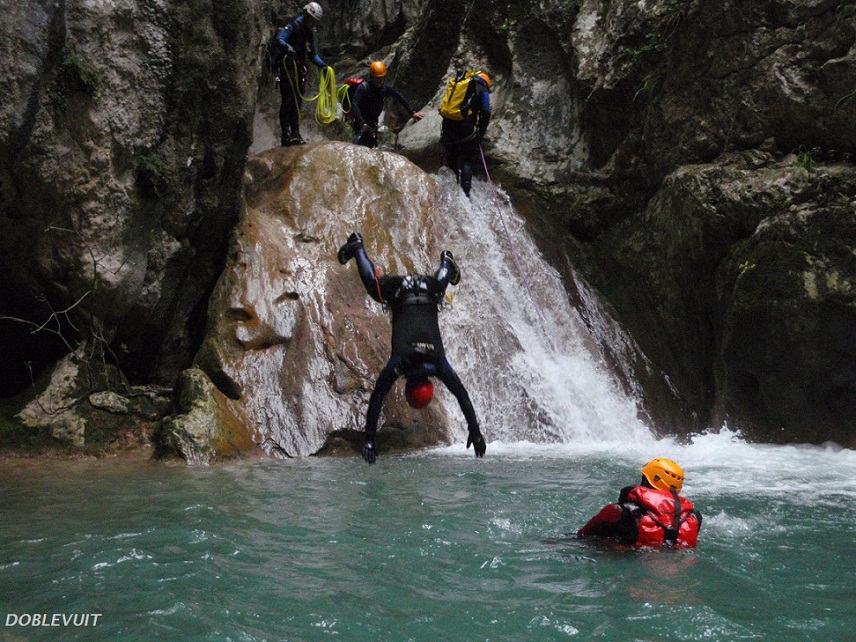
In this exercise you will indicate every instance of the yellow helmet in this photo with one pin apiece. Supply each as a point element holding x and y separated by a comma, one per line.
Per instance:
<point>663,474</point>
<point>377,69</point>
<point>484,77</point>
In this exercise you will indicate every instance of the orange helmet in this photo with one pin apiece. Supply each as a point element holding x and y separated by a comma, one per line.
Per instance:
<point>663,474</point>
<point>377,69</point>
<point>419,391</point>
<point>484,77</point>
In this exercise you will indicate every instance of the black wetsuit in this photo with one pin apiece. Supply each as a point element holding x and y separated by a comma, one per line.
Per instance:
<point>417,347</point>
<point>461,138</point>
<point>367,107</point>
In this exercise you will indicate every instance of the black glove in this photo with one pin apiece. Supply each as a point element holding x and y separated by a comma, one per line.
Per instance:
<point>454,270</point>
<point>477,442</point>
<point>346,252</point>
<point>370,448</point>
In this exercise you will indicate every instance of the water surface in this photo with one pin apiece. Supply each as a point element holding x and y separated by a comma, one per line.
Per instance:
<point>431,546</point>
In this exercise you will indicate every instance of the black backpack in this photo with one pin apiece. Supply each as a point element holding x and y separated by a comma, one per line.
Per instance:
<point>274,52</point>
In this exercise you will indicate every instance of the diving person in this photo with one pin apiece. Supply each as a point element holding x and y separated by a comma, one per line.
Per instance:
<point>367,105</point>
<point>462,138</point>
<point>417,347</point>
<point>295,40</point>
<point>650,514</point>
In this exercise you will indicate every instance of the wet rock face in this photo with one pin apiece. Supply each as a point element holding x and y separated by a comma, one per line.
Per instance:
<point>123,131</point>
<point>747,264</point>
<point>294,344</point>
<point>617,127</point>
<point>787,295</point>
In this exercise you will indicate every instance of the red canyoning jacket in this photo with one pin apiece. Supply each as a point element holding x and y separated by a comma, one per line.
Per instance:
<point>647,517</point>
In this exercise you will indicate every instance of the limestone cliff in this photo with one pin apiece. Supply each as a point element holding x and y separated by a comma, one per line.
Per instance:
<point>692,161</point>
<point>669,143</point>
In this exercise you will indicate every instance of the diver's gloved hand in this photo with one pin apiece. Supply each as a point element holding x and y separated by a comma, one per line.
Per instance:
<point>370,448</point>
<point>455,271</point>
<point>477,442</point>
<point>346,252</point>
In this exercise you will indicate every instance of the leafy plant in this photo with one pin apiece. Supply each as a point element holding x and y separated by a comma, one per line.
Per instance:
<point>806,159</point>
<point>78,74</point>
<point>156,176</point>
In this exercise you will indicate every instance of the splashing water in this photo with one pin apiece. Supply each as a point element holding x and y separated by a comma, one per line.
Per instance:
<point>528,362</point>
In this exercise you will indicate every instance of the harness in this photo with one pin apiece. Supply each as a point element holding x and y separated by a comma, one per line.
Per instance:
<point>670,533</point>
<point>414,291</point>
<point>647,502</point>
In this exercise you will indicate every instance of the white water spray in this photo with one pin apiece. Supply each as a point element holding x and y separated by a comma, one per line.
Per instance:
<point>530,365</point>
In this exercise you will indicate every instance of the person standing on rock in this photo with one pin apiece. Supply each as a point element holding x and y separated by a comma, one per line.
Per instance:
<point>462,137</point>
<point>367,105</point>
<point>296,40</point>
<point>417,347</point>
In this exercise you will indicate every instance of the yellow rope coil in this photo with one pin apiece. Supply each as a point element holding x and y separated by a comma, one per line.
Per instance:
<point>326,108</point>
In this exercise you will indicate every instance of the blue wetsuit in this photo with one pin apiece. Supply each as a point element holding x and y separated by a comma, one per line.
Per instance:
<point>296,39</point>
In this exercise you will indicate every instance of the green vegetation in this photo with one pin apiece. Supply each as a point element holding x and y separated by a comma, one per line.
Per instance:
<point>17,438</point>
<point>78,74</point>
<point>75,76</point>
<point>806,159</point>
<point>156,175</point>
<point>767,272</point>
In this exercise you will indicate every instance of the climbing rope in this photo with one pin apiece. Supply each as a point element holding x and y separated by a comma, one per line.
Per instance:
<point>516,257</point>
<point>326,108</point>
<point>343,97</point>
<point>292,79</point>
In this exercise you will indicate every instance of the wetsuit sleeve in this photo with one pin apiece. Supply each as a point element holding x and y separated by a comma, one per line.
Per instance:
<point>604,524</point>
<point>313,52</point>
<point>283,36</point>
<point>484,113</point>
<point>390,92</point>
<point>359,94</point>
<point>444,274</point>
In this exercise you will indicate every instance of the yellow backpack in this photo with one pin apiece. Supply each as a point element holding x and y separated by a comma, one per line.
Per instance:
<point>456,100</point>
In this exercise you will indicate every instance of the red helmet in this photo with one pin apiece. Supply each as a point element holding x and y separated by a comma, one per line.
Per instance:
<point>419,391</point>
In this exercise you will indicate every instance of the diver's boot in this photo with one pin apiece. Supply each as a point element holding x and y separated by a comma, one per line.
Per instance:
<point>346,252</point>
<point>467,178</point>
<point>448,259</point>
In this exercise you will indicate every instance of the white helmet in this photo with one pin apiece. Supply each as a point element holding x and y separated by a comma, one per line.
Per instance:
<point>314,10</point>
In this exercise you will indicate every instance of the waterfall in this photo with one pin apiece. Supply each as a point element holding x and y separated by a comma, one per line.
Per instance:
<point>300,343</point>
<point>530,364</point>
